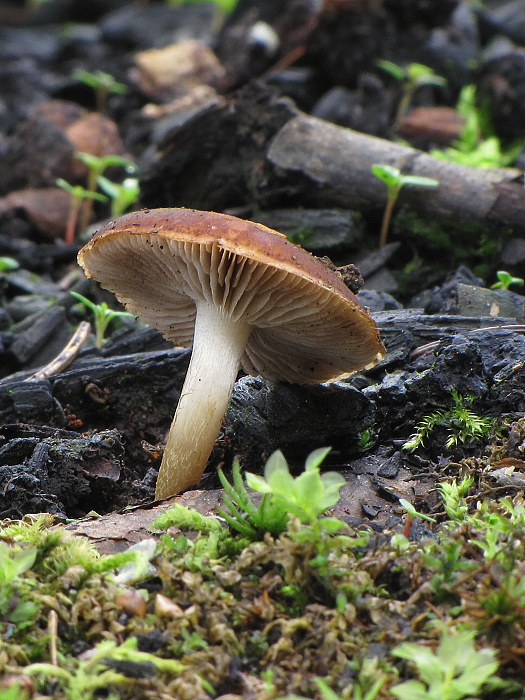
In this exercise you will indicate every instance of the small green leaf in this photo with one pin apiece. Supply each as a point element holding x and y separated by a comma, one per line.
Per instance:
<point>419,181</point>
<point>7,263</point>
<point>392,68</point>
<point>316,458</point>
<point>387,174</point>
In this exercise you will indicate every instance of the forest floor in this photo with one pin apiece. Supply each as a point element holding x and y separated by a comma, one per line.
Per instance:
<point>406,579</point>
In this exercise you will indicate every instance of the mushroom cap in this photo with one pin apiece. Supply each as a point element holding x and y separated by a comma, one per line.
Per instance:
<point>307,326</point>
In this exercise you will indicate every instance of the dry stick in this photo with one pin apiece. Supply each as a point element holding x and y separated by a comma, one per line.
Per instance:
<point>52,628</point>
<point>332,164</point>
<point>67,355</point>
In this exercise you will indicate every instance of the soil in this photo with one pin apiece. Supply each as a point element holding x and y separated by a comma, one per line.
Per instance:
<point>279,123</point>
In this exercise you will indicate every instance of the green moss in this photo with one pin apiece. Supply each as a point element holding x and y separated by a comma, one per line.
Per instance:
<point>296,614</point>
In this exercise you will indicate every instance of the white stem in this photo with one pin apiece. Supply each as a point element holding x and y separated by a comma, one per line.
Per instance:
<point>218,345</point>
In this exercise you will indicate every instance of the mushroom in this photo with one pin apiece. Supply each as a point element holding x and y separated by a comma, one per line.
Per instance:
<point>243,296</point>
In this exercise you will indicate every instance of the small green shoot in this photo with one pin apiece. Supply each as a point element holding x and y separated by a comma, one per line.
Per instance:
<point>14,564</point>
<point>96,166</point>
<point>505,280</point>
<point>102,83</point>
<point>306,496</point>
<point>250,520</point>
<point>102,316</point>
<point>462,424</point>
<point>7,264</point>
<point>394,181</point>
<point>413,77</point>
<point>78,195</point>
<point>413,513</point>
<point>122,195</point>
<point>454,671</point>
<point>453,495</point>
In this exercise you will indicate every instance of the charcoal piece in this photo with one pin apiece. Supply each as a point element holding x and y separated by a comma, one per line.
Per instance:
<point>5,320</point>
<point>365,109</point>
<point>29,402</point>
<point>498,348</point>
<point>390,467</point>
<point>25,306</point>
<point>17,450</point>
<point>203,163</point>
<point>374,261</point>
<point>459,366</point>
<point>315,229</point>
<point>137,394</point>
<point>64,474</point>
<point>134,339</point>
<point>426,328</point>
<point>444,298</point>
<point>377,301</point>
<point>27,350</point>
<point>38,152</point>
<point>26,282</point>
<point>264,416</point>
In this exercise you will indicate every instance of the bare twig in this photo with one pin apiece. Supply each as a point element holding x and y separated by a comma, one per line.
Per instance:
<point>52,628</point>
<point>66,356</point>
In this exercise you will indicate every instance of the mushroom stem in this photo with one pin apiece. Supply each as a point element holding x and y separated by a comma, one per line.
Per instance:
<point>218,345</point>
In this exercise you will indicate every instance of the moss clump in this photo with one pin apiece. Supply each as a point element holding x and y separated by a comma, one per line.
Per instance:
<point>198,615</point>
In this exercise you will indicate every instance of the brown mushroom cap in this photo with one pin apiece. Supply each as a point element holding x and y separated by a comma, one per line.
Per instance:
<point>307,326</point>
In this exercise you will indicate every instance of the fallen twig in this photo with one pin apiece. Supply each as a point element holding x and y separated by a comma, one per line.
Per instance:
<point>67,355</point>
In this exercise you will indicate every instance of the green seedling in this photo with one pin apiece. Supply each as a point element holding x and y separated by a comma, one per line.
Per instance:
<point>7,264</point>
<point>78,195</point>
<point>454,671</point>
<point>394,181</point>
<point>505,280</point>
<point>243,515</point>
<point>102,83</point>
<point>96,166</point>
<point>102,316</point>
<point>306,496</point>
<point>411,514</point>
<point>477,145</point>
<point>413,77</point>
<point>462,424</point>
<point>122,195</point>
